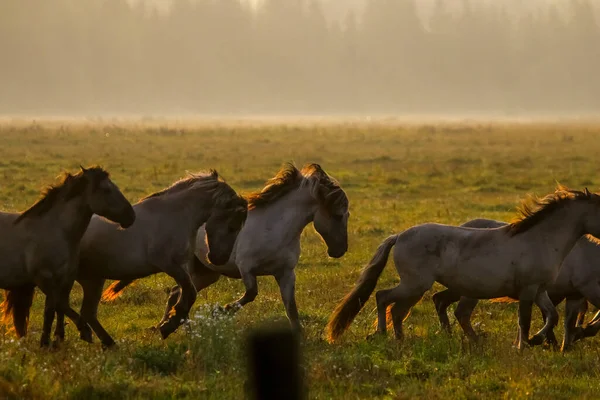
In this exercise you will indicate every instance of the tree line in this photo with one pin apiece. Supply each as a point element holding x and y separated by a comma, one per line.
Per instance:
<point>223,56</point>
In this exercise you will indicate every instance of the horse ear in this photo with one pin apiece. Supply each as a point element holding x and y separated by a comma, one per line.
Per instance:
<point>587,192</point>
<point>82,169</point>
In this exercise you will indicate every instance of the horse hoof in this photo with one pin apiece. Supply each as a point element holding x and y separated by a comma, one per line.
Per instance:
<point>536,340</point>
<point>165,330</point>
<point>578,333</point>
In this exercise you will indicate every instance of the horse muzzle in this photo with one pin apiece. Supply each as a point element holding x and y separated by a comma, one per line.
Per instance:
<point>128,220</point>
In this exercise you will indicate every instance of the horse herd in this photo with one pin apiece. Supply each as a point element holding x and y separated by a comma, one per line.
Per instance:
<point>199,229</point>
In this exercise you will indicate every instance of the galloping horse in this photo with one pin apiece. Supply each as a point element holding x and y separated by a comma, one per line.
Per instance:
<point>269,243</point>
<point>40,246</point>
<point>162,239</point>
<point>578,280</point>
<point>518,260</point>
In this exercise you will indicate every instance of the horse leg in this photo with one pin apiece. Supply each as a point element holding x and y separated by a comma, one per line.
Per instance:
<point>572,307</point>
<point>92,293</point>
<point>287,286</point>
<point>542,300</point>
<point>550,336</point>
<point>187,297</point>
<point>463,313</point>
<point>592,293</point>
<point>64,308</point>
<point>249,295</point>
<point>442,301</point>
<point>581,313</point>
<point>404,297</point>
<point>526,299</point>
<point>49,289</point>
<point>202,277</point>
<point>59,331</point>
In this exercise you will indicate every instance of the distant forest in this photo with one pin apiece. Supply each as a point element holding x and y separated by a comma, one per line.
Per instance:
<point>286,57</point>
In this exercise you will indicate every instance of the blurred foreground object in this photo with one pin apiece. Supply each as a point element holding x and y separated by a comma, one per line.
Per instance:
<point>274,365</point>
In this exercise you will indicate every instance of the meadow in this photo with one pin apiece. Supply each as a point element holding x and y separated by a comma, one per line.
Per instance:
<point>396,175</point>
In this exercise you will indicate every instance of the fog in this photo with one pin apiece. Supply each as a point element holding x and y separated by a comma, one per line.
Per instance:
<point>299,57</point>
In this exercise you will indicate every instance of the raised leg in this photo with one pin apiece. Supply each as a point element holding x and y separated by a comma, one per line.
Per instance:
<point>64,308</point>
<point>405,297</point>
<point>64,304</point>
<point>463,313</point>
<point>92,293</point>
<point>287,283</point>
<point>181,309</point>
<point>442,301</point>
<point>250,294</point>
<point>202,277</point>
<point>542,300</point>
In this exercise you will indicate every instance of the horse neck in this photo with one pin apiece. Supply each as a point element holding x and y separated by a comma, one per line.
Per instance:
<point>193,206</point>
<point>292,212</point>
<point>562,229</point>
<point>72,217</point>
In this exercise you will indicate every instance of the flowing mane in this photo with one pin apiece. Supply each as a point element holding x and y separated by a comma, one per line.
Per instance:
<point>334,197</point>
<point>68,187</point>
<point>290,178</point>
<point>209,181</point>
<point>533,209</point>
<point>287,179</point>
<point>211,176</point>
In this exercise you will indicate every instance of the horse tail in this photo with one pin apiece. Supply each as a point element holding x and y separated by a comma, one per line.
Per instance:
<point>115,289</point>
<point>16,304</point>
<point>352,303</point>
<point>504,300</point>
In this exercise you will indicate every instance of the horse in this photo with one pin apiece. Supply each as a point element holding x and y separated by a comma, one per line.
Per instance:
<point>162,239</point>
<point>269,243</point>
<point>39,247</point>
<point>578,281</point>
<point>518,260</point>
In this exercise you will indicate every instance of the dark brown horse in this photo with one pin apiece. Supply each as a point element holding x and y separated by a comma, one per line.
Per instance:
<point>40,246</point>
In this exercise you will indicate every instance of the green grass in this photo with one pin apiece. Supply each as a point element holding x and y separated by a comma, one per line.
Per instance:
<point>395,175</point>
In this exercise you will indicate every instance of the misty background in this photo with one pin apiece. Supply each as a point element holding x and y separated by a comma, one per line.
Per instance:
<point>286,57</point>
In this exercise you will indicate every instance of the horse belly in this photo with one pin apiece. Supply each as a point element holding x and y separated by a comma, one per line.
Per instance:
<point>480,283</point>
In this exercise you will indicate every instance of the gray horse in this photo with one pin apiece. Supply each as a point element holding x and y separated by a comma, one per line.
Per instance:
<point>162,239</point>
<point>518,260</point>
<point>578,280</point>
<point>269,243</point>
<point>39,247</point>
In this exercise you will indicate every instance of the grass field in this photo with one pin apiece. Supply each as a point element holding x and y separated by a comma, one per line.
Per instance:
<point>396,176</point>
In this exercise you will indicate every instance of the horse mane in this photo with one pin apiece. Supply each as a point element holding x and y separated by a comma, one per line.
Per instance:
<point>68,187</point>
<point>335,199</point>
<point>533,209</point>
<point>287,179</point>
<point>192,179</point>
<point>211,181</point>
<point>290,178</point>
